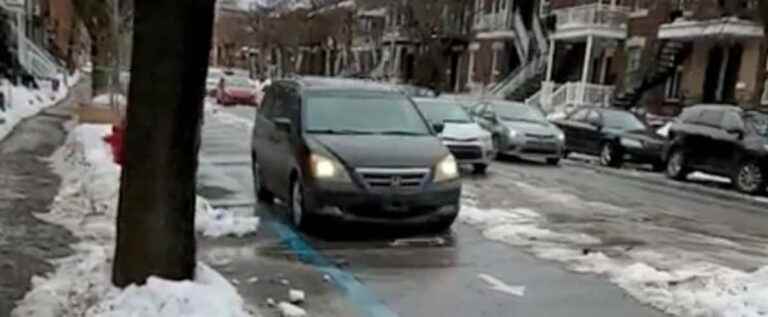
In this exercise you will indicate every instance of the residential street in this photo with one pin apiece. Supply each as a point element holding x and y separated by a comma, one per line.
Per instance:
<point>371,272</point>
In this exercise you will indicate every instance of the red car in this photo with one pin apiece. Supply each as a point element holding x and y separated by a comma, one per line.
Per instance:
<point>236,91</point>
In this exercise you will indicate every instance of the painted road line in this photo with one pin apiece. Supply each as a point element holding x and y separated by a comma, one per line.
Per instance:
<point>357,293</point>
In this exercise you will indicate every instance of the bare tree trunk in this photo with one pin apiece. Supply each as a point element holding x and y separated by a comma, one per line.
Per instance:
<point>101,61</point>
<point>156,212</point>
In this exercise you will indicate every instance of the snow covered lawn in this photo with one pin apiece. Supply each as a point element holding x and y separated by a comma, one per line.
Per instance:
<point>24,102</point>
<point>684,288</point>
<point>80,284</point>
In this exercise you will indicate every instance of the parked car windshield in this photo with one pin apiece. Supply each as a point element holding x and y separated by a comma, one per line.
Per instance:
<point>363,114</point>
<point>621,120</point>
<point>238,82</point>
<point>518,112</point>
<point>758,121</point>
<point>443,112</point>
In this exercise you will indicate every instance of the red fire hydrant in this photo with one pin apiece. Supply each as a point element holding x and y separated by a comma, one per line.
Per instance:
<point>115,141</point>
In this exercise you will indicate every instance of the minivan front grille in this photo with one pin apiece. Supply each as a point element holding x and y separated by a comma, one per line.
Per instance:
<point>393,178</point>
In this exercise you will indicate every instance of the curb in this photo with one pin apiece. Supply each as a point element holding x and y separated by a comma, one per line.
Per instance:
<point>698,189</point>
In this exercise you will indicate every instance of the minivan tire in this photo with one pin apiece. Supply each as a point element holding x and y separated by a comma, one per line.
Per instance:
<point>263,195</point>
<point>676,168</point>
<point>750,177</point>
<point>301,214</point>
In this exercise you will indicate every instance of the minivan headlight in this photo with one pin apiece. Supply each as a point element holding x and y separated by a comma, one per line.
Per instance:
<point>561,136</point>
<point>326,168</point>
<point>447,169</point>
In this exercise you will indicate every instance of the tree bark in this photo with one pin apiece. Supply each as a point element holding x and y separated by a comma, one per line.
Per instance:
<point>101,62</point>
<point>155,222</point>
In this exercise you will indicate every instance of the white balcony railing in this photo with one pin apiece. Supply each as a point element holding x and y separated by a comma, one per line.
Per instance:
<point>493,21</point>
<point>574,94</point>
<point>591,15</point>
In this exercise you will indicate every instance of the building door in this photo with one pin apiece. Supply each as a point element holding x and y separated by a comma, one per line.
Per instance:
<point>454,70</point>
<point>712,75</point>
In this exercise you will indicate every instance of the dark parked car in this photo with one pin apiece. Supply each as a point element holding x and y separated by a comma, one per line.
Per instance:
<point>721,140</point>
<point>352,150</point>
<point>615,135</point>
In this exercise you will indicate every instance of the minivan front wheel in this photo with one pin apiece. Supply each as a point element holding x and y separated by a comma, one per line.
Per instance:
<point>300,215</point>
<point>750,178</point>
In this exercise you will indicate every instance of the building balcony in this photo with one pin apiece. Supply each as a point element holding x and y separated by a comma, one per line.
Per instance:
<point>597,19</point>
<point>554,98</point>
<point>729,28</point>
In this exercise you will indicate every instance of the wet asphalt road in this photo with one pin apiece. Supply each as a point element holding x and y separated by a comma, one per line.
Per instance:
<point>370,272</point>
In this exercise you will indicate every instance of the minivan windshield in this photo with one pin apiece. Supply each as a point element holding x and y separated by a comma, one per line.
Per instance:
<point>622,120</point>
<point>363,114</point>
<point>441,111</point>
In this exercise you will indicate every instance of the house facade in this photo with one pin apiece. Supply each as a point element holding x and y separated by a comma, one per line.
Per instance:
<point>650,54</point>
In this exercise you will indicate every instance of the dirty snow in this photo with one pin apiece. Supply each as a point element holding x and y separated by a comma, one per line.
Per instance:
<point>290,310</point>
<point>105,99</point>
<point>80,285</point>
<point>215,222</point>
<point>699,176</point>
<point>23,102</point>
<point>680,288</point>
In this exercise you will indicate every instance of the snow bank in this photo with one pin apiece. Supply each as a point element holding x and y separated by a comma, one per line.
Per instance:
<point>214,222</point>
<point>104,99</point>
<point>682,289</point>
<point>80,285</point>
<point>23,102</point>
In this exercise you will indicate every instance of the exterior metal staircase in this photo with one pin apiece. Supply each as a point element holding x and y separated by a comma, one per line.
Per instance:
<point>670,55</point>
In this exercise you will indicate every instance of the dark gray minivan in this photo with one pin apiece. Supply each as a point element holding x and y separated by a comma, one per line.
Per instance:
<point>352,150</point>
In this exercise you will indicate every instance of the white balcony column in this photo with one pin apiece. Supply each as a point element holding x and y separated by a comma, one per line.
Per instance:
<point>550,60</point>
<point>398,62</point>
<point>721,76</point>
<point>471,69</point>
<point>580,94</point>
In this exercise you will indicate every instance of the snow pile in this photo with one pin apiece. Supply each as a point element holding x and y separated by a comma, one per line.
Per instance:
<point>165,298</point>
<point>214,222</point>
<point>228,118</point>
<point>80,285</point>
<point>23,102</point>
<point>682,289</point>
<point>105,100</point>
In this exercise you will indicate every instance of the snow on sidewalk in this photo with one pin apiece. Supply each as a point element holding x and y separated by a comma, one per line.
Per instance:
<point>80,284</point>
<point>690,289</point>
<point>24,102</point>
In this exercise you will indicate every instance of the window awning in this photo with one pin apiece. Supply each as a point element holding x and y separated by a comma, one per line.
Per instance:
<point>730,27</point>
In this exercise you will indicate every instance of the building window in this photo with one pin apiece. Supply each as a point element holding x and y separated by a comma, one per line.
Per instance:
<point>672,88</point>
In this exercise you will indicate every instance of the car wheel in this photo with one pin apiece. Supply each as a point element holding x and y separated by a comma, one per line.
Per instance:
<point>750,178</point>
<point>610,155</point>
<point>479,168</point>
<point>300,215</point>
<point>553,161</point>
<point>676,168</point>
<point>263,195</point>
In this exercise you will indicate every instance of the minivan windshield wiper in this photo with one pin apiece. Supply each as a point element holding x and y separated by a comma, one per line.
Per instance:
<point>338,131</point>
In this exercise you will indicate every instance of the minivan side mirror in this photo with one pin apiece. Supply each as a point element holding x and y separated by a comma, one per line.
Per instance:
<point>439,127</point>
<point>282,124</point>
